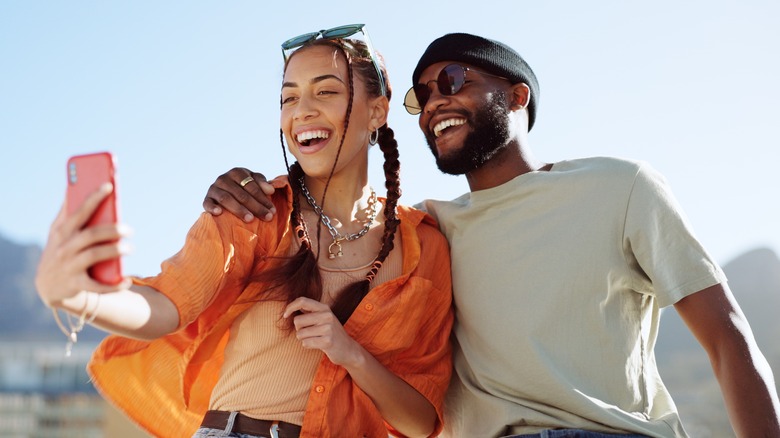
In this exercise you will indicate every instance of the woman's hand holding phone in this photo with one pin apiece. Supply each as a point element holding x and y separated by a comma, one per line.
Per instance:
<point>83,252</point>
<point>73,247</point>
<point>81,262</point>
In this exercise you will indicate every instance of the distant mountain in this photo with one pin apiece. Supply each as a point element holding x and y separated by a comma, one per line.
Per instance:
<point>19,303</point>
<point>23,317</point>
<point>754,278</point>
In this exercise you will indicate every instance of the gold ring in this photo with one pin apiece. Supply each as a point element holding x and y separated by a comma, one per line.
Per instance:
<point>246,181</point>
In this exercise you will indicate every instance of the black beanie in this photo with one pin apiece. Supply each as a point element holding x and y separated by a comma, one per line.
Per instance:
<point>492,56</point>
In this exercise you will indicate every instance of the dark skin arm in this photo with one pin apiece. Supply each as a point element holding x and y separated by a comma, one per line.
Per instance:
<point>248,202</point>
<point>745,379</point>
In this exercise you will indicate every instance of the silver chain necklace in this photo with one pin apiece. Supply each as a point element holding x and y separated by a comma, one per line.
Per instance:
<point>373,207</point>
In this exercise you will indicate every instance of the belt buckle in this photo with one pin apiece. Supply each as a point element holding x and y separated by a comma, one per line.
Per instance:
<point>274,431</point>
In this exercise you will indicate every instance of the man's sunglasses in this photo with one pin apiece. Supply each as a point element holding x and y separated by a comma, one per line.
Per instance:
<point>336,33</point>
<point>450,80</point>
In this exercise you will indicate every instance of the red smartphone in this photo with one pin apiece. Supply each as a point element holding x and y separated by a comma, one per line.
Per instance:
<point>86,173</point>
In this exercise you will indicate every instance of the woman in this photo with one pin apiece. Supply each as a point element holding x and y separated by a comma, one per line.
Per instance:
<point>332,320</point>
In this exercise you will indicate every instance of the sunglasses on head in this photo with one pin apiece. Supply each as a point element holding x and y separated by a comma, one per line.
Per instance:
<point>340,32</point>
<point>450,80</point>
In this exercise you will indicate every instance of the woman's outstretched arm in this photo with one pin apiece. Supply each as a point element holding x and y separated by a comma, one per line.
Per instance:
<point>63,281</point>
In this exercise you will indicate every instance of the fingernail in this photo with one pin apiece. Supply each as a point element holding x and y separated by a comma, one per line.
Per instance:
<point>216,210</point>
<point>248,217</point>
<point>268,217</point>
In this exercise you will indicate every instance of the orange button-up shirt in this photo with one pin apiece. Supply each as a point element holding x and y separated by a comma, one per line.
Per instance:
<point>165,385</point>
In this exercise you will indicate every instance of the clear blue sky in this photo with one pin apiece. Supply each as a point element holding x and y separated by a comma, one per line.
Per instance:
<point>181,91</point>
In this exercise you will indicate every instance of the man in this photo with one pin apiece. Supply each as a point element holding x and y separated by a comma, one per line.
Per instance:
<point>559,270</point>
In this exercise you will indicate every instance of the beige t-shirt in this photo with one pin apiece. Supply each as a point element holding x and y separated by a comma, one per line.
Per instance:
<point>558,281</point>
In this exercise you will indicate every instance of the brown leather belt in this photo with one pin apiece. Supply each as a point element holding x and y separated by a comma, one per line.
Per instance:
<point>251,426</point>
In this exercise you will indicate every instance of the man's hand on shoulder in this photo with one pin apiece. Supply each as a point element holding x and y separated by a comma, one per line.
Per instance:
<point>243,193</point>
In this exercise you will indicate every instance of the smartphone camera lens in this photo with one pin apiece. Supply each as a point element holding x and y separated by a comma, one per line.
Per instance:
<point>72,174</point>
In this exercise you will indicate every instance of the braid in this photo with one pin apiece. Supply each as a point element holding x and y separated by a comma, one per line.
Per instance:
<point>392,167</point>
<point>296,217</point>
<point>350,75</point>
<point>350,297</point>
<point>294,174</point>
<point>341,143</point>
<point>284,151</point>
<point>299,275</point>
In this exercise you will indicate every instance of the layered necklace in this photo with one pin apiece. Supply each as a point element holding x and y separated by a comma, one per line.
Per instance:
<point>334,249</point>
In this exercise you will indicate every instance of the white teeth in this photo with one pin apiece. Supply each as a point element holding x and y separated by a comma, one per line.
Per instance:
<point>441,126</point>
<point>308,135</point>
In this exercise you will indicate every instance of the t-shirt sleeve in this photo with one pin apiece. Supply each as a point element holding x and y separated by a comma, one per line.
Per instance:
<point>660,244</point>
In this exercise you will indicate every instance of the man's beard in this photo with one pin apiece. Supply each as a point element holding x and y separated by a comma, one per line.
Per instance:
<point>489,135</point>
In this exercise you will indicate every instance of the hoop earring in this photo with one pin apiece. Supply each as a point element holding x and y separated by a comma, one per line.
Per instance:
<point>374,137</point>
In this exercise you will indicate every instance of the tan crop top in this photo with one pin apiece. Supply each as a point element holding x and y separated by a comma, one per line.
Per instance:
<point>266,373</point>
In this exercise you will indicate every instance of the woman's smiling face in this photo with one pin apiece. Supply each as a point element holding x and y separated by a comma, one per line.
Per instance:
<point>315,97</point>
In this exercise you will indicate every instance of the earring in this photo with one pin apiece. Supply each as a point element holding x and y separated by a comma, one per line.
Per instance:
<point>374,137</point>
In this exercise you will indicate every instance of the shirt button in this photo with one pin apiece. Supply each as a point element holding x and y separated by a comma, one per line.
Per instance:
<point>369,306</point>
<point>320,389</point>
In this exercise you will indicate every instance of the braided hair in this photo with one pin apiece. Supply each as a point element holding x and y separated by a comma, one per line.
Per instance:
<point>299,275</point>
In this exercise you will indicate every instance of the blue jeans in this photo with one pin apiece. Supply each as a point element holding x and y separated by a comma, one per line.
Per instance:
<point>205,432</point>
<point>574,433</point>
<point>227,432</point>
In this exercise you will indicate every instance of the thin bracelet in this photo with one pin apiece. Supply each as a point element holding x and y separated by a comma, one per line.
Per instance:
<point>59,322</point>
<point>82,318</point>
<point>72,335</point>
<point>91,319</point>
